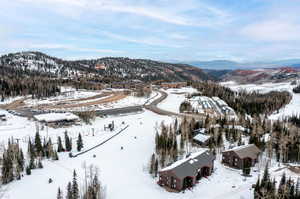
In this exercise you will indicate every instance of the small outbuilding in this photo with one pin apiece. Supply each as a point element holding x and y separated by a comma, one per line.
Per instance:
<point>57,118</point>
<point>201,139</point>
<point>241,157</point>
<point>187,172</point>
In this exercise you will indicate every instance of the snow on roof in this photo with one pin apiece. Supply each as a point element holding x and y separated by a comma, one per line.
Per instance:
<point>190,158</point>
<point>201,137</point>
<point>200,130</point>
<point>53,117</point>
<point>243,151</point>
<point>237,127</point>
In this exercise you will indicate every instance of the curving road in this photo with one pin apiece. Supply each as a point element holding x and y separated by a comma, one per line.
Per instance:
<point>153,107</point>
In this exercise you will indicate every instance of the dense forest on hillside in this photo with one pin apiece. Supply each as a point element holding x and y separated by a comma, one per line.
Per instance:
<point>252,103</point>
<point>107,68</point>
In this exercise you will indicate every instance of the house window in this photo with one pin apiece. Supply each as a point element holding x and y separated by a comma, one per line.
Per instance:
<point>235,161</point>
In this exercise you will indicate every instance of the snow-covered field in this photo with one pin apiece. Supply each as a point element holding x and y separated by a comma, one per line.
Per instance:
<point>123,172</point>
<point>175,98</point>
<point>292,108</point>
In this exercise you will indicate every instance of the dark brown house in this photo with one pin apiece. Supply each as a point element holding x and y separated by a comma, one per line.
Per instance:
<point>241,156</point>
<point>185,173</point>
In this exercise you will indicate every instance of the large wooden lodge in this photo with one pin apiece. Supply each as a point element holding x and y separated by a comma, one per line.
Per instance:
<point>241,156</point>
<point>187,172</point>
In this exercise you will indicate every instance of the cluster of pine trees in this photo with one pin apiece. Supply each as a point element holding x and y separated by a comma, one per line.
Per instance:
<point>252,103</point>
<point>38,150</point>
<point>92,188</point>
<point>13,162</point>
<point>266,188</point>
<point>21,86</point>
<point>68,143</point>
<point>166,145</point>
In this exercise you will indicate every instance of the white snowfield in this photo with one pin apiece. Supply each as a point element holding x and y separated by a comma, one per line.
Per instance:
<point>292,108</point>
<point>53,117</point>
<point>175,97</point>
<point>124,172</point>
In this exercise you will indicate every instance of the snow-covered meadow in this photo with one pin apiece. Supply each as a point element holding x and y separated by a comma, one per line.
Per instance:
<point>175,97</point>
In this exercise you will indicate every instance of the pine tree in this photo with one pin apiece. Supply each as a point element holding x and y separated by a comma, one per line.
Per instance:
<point>68,142</point>
<point>32,163</point>
<point>156,168</point>
<point>257,187</point>
<point>152,163</point>
<point>59,194</point>
<point>69,191</point>
<point>20,160</point>
<point>7,168</point>
<point>266,177</point>
<point>75,189</point>
<point>79,143</point>
<point>31,150</point>
<point>38,144</point>
<point>60,147</point>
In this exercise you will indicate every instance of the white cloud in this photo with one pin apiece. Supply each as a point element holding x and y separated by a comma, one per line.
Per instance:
<point>33,45</point>
<point>273,30</point>
<point>152,41</point>
<point>175,13</point>
<point>71,48</point>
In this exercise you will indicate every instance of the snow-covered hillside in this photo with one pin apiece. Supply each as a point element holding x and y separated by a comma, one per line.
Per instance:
<point>292,108</point>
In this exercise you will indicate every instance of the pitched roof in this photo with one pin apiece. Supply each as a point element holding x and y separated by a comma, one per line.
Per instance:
<point>53,117</point>
<point>189,166</point>
<point>244,151</point>
<point>201,137</point>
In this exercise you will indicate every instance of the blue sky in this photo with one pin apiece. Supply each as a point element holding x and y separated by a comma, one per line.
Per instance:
<point>168,30</point>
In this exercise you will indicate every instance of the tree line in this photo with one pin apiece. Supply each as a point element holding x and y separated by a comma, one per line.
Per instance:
<point>252,103</point>
<point>266,188</point>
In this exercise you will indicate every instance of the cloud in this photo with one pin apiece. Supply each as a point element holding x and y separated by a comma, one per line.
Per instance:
<point>71,48</point>
<point>152,41</point>
<point>207,15</point>
<point>273,30</point>
<point>32,45</point>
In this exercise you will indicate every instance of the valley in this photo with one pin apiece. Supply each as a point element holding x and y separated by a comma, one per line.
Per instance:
<point>123,160</point>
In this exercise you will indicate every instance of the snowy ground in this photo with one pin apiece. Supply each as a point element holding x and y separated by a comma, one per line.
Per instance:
<point>123,172</point>
<point>175,98</point>
<point>292,108</point>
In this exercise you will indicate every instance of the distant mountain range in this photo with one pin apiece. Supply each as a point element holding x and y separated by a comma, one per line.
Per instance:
<point>232,65</point>
<point>281,74</point>
<point>108,68</point>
